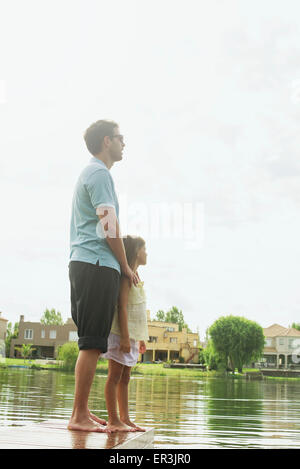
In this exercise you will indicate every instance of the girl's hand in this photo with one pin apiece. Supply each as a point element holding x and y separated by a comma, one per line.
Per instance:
<point>125,344</point>
<point>142,346</point>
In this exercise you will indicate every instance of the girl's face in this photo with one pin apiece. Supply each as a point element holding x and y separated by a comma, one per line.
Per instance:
<point>142,256</point>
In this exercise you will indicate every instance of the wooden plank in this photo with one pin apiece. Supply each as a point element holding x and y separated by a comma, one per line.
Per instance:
<point>53,434</point>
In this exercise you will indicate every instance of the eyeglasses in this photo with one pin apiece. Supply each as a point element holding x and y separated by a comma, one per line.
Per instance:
<point>119,136</point>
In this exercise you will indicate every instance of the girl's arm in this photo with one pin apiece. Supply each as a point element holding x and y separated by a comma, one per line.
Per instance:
<point>122,314</point>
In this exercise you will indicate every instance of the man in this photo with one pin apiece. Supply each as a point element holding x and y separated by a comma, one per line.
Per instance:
<point>96,262</point>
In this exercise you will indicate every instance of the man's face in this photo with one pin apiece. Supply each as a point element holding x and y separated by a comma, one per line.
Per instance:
<point>116,145</point>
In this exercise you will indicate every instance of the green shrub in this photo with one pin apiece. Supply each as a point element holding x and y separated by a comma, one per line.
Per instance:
<point>68,354</point>
<point>35,367</point>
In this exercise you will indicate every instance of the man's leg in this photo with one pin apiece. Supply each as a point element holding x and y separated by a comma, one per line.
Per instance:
<point>92,312</point>
<point>84,375</point>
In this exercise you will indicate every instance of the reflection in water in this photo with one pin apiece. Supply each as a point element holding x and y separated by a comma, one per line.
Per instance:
<point>234,412</point>
<point>114,439</point>
<point>185,412</point>
<point>81,440</point>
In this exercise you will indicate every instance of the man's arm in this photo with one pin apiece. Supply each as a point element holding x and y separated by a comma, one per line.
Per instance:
<point>111,230</point>
<point>100,189</point>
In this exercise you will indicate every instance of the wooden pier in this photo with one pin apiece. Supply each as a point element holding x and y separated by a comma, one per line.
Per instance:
<point>53,434</point>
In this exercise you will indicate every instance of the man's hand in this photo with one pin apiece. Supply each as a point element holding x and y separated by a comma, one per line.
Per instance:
<point>142,346</point>
<point>128,272</point>
<point>125,344</point>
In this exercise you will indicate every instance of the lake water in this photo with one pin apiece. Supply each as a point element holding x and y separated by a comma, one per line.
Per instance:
<point>185,412</point>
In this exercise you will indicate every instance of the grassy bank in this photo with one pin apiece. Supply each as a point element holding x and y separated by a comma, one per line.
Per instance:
<point>141,369</point>
<point>158,369</point>
<point>102,367</point>
<point>28,363</point>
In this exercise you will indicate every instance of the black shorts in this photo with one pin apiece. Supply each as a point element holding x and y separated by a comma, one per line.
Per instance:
<point>94,295</point>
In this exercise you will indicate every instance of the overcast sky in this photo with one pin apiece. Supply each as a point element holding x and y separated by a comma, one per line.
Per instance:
<point>207,96</point>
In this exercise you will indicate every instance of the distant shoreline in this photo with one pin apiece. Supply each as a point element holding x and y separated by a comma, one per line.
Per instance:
<point>141,369</point>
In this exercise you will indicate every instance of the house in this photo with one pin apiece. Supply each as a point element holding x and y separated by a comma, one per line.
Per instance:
<point>45,339</point>
<point>165,342</point>
<point>3,327</point>
<point>282,348</point>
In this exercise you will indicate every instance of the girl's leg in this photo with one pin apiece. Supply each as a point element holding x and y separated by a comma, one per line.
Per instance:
<point>114,374</point>
<point>123,399</point>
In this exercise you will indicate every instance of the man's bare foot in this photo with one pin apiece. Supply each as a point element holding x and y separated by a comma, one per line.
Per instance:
<point>119,426</point>
<point>85,425</point>
<point>97,419</point>
<point>133,425</point>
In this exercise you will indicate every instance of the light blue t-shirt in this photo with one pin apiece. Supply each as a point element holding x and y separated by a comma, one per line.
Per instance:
<point>95,187</point>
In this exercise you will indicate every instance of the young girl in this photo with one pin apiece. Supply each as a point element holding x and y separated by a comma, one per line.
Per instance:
<point>127,338</point>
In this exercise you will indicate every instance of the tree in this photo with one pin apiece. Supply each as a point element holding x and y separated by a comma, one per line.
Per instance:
<point>11,333</point>
<point>201,356</point>
<point>296,326</point>
<point>175,315</point>
<point>212,359</point>
<point>51,317</point>
<point>160,315</point>
<point>237,340</point>
<point>26,350</point>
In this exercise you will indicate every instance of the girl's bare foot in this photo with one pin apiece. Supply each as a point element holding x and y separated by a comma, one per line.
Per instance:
<point>85,425</point>
<point>133,425</point>
<point>118,426</point>
<point>97,419</point>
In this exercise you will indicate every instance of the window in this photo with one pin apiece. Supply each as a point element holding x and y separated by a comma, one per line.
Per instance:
<point>43,334</point>
<point>268,342</point>
<point>73,336</point>
<point>170,329</point>
<point>152,339</point>
<point>293,343</point>
<point>28,334</point>
<point>52,335</point>
<point>173,339</point>
<point>281,341</point>
<point>195,343</point>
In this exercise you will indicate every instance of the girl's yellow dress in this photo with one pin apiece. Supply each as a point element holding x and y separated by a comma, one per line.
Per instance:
<point>137,328</point>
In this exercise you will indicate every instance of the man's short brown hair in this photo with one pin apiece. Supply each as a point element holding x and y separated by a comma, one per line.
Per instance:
<point>95,134</point>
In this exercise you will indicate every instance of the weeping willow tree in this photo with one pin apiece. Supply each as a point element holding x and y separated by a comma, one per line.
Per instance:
<point>237,340</point>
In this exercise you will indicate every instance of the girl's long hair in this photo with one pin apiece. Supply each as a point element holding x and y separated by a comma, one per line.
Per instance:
<point>132,245</point>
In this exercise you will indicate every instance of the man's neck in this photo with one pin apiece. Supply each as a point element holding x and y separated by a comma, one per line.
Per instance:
<point>104,157</point>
